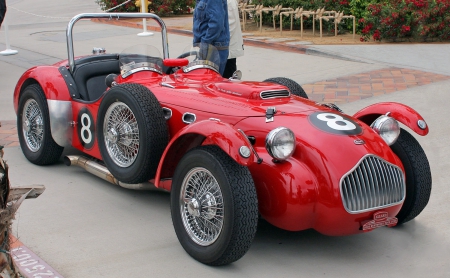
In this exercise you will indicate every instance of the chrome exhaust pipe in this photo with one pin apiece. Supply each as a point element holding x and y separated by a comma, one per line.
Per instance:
<point>102,172</point>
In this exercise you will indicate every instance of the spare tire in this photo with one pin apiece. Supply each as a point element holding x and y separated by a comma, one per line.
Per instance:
<point>293,86</point>
<point>132,132</point>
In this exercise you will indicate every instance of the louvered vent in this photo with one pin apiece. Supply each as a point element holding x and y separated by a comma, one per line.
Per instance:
<point>275,94</point>
<point>372,184</point>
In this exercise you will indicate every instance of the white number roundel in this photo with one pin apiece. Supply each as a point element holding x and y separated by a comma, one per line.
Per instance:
<point>336,122</point>
<point>86,128</point>
<point>86,134</point>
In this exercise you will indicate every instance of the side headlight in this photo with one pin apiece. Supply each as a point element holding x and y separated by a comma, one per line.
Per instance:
<point>387,128</point>
<point>280,143</point>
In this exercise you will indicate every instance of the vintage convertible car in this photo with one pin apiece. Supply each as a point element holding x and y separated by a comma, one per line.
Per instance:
<point>229,151</point>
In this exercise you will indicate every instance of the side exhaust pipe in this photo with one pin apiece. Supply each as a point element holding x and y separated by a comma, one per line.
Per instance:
<point>102,172</point>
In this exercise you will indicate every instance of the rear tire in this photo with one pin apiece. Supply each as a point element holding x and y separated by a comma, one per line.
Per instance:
<point>418,176</point>
<point>293,86</point>
<point>33,126</point>
<point>214,206</point>
<point>132,132</point>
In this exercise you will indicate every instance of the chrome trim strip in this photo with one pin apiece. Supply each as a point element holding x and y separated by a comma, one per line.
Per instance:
<point>201,64</point>
<point>60,113</point>
<point>167,85</point>
<point>130,72</point>
<point>372,184</point>
<point>165,44</point>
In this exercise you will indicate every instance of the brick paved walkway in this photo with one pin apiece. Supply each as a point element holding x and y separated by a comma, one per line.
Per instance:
<point>340,90</point>
<point>369,84</point>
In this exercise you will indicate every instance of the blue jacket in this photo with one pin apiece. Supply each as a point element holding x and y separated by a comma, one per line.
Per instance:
<point>211,23</point>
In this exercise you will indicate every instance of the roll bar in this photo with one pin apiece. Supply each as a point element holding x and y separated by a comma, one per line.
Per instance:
<point>72,22</point>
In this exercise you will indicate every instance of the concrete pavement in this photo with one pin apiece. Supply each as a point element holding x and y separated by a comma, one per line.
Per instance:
<point>85,227</point>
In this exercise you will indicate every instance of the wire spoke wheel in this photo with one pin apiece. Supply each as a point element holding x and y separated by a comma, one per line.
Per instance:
<point>121,133</point>
<point>32,125</point>
<point>201,206</point>
<point>214,206</point>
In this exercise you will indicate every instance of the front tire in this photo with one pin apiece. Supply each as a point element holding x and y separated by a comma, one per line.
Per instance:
<point>293,86</point>
<point>33,126</point>
<point>214,206</point>
<point>418,176</point>
<point>132,132</point>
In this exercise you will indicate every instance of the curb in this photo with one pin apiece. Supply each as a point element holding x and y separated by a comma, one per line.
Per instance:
<point>28,263</point>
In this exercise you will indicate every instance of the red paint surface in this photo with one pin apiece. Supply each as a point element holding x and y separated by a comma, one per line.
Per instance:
<point>300,193</point>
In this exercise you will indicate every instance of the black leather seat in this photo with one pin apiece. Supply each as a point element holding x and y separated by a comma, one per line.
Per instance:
<point>90,72</point>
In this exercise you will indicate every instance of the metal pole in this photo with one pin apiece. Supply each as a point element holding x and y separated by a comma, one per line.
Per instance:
<point>144,21</point>
<point>8,50</point>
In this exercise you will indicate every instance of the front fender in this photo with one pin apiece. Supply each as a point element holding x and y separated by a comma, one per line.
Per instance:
<point>402,113</point>
<point>211,131</point>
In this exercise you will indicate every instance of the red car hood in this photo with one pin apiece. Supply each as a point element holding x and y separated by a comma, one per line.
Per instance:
<point>232,98</point>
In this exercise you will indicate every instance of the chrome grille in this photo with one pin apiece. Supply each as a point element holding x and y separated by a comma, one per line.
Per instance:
<point>274,94</point>
<point>372,184</point>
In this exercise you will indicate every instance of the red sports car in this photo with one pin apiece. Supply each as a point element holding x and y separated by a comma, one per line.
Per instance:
<point>229,151</point>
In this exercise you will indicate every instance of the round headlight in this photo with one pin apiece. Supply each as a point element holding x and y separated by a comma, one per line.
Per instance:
<point>280,143</point>
<point>388,128</point>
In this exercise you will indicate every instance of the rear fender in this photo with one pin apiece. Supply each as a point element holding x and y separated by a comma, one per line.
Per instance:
<point>402,113</point>
<point>215,132</point>
<point>58,100</point>
<point>50,80</point>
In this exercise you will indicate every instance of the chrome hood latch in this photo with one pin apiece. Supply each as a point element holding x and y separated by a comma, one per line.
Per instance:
<point>270,112</point>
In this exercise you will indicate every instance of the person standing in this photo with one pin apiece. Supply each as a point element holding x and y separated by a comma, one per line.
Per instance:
<point>211,27</point>
<point>2,11</point>
<point>236,48</point>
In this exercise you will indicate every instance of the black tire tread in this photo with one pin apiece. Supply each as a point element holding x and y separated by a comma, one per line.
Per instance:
<point>418,176</point>
<point>294,87</point>
<point>246,205</point>
<point>50,152</point>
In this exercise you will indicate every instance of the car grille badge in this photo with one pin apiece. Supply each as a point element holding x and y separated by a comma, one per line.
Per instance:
<point>380,219</point>
<point>359,142</point>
